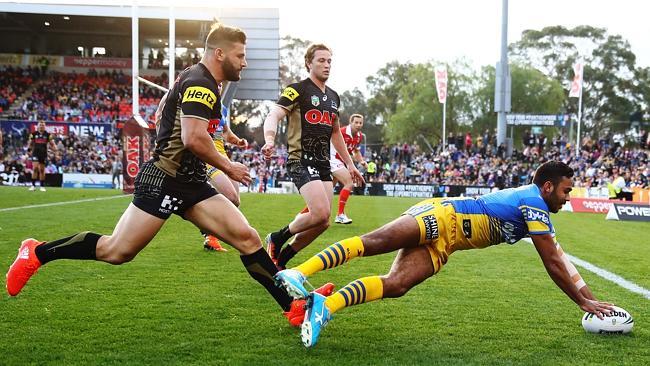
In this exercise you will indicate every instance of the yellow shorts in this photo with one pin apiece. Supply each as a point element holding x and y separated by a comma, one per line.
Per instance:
<point>212,171</point>
<point>437,224</point>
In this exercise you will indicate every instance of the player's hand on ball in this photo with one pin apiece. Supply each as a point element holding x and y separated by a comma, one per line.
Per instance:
<point>597,307</point>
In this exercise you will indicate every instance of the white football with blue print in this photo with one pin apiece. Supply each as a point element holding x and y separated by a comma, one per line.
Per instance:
<point>619,321</point>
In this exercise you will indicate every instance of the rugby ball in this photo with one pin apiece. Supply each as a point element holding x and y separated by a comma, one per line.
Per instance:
<point>619,321</point>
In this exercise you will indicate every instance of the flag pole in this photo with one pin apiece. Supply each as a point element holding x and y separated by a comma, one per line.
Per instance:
<point>579,112</point>
<point>444,123</point>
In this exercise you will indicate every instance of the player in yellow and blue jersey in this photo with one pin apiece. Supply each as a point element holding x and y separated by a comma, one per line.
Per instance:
<point>429,232</point>
<point>221,134</point>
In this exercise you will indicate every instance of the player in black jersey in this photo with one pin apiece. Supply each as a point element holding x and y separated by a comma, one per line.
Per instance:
<point>313,111</point>
<point>39,141</point>
<point>174,180</point>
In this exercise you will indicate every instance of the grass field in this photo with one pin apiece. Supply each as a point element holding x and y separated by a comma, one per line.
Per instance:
<point>177,304</point>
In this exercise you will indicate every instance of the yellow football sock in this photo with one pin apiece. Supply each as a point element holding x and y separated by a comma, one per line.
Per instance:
<point>356,292</point>
<point>332,256</point>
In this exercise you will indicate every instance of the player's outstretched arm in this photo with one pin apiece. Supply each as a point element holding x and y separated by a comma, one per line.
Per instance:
<point>577,280</point>
<point>557,270</point>
<point>196,138</point>
<point>270,129</point>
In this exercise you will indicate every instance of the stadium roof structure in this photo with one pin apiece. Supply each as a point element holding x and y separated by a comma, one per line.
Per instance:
<point>70,25</point>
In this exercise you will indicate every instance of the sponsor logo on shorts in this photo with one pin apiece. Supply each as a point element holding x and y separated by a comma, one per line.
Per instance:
<point>290,93</point>
<point>430,227</point>
<point>313,171</point>
<point>315,101</point>
<point>169,204</point>
<point>467,228</point>
<point>419,209</point>
<point>201,95</point>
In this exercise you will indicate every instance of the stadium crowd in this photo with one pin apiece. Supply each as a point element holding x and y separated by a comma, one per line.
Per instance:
<point>93,97</point>
<point>474,164</point>
<point>14,81</point>
<point>487,165</point>
<point>73,155</point>
<point>104,97</point>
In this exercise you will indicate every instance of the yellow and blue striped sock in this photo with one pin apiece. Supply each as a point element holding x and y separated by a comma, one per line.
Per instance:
<point>356,292</point>
<point>332,256</point>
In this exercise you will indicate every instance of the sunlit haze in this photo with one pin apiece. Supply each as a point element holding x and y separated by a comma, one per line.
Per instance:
<point>366,35</point>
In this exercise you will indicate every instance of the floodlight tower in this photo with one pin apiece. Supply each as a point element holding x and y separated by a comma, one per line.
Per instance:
<point>502,93</point>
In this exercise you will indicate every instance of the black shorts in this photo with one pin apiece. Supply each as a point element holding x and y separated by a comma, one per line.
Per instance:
<point>161,195</point>
<point>302,174</point>
<point>39,156</point>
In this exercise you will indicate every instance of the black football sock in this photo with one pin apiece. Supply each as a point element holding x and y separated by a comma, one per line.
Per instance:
<point>281,236</point>
<point>78,246</point>
<point>42,183</point>
<point>285,256</point>
<point>33,182</point>
<point>262,269</point>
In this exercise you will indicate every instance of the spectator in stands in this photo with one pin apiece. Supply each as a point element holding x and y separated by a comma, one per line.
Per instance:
<point>618,187</point>
<point>116,172</point>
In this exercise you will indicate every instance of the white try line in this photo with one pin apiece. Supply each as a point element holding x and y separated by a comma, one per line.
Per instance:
<point>62,203</point>
<point>612,277</point>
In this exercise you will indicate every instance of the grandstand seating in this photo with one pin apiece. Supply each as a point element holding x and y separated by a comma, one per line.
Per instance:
<point>74,97</point>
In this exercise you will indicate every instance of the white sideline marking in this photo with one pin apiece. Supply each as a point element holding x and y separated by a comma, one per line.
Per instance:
<point>613,277</point>
<point>62,203</point>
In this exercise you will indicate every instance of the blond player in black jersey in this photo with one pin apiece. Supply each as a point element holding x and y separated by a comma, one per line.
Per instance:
<point>313,111</point>
<point>174,180</point>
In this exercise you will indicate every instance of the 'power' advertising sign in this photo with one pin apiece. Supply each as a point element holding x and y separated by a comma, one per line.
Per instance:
<point>629,212</point>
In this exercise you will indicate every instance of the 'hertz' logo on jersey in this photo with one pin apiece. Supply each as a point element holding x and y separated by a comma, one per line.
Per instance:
<point>314,116</point>
<point>290,93</point>
<point>200,94</point>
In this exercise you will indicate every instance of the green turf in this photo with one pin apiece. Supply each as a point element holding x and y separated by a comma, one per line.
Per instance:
<point>176,304</point>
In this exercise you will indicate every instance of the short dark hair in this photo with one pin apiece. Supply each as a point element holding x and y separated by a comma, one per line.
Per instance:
<point>220,34</point>
<point>309,55</point>
<point>552,171</point>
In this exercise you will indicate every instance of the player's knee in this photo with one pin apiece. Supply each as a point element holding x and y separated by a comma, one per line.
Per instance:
<point>395,286</point>
<point>234,198</point>
<point>248,240</point>
<point>321,217</point>
<point>119,257</point>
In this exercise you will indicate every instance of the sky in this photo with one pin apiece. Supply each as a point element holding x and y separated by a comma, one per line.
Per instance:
<point>365,35</point>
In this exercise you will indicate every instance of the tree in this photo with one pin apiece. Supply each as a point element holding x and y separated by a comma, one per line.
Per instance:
<point>418,111</point>
<point>292,60</point>
<point>532,93</point>
<point>609,93</point>
<point>384,89</point>
<point>292,51</point>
